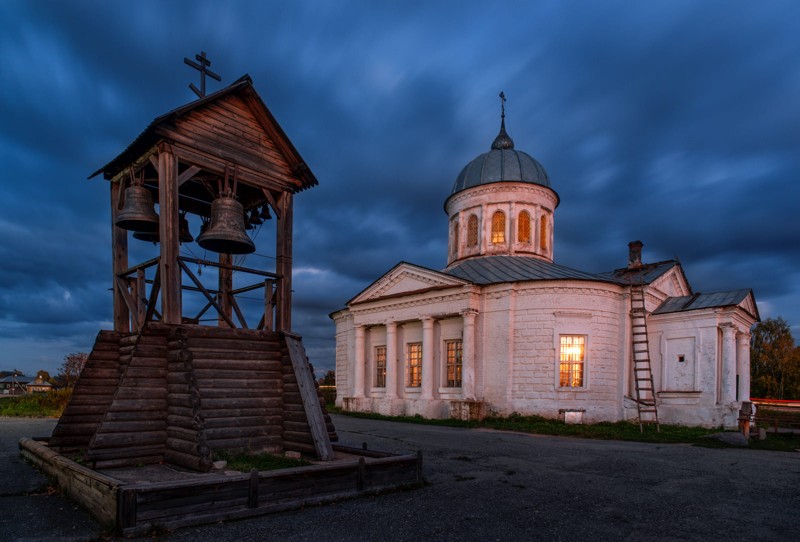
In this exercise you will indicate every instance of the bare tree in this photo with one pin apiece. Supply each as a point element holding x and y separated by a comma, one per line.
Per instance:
<point>71,368</point>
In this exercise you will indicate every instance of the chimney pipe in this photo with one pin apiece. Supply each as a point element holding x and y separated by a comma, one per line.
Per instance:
<point>635,255</point>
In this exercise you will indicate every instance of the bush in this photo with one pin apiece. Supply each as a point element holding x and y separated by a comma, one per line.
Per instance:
<point>37,405</point>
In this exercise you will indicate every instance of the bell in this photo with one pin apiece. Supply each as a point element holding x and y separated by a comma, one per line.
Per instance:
<point>184,235</point>
<point>254,219</point>
<point>226,229</point>
<point>247,224</point>
<point>138,213</point>
<point>265,213</point>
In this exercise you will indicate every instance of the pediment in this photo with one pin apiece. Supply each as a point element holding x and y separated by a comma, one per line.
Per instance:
<point>673,283</point>
<point>406,279</point>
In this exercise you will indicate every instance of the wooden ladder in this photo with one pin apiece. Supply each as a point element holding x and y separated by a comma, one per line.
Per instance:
<point>642,371</point>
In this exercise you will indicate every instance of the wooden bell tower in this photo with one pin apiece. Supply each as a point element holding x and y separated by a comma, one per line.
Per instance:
<point>167,385</point>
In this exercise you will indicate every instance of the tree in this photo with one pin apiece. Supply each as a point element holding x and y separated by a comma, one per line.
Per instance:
<point>43,375</point>
<point>328,379</point>
<point>71,368</point>
<point>774,361</point>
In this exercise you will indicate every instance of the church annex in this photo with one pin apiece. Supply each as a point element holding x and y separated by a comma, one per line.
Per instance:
<point>503,328</point>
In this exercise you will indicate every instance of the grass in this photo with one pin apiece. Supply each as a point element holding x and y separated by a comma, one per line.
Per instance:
<point>36,405</point>
<point>244,462</point>
<point>626,431</point>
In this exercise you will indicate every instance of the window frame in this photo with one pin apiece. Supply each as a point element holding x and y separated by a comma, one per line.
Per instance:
<point>572,364</point>
<point>498,234</point>
<point>457,363</point>
<point>524,227</point>
<point>414,370</point>
<point>472,230</point>
<point>380,365</point>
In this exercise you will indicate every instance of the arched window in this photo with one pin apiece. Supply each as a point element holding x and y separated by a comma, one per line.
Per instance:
<point>455,237</point>
<point>543,235</point>
<point>524,227</point>
<point>472,231</point>
<point>499,227</point>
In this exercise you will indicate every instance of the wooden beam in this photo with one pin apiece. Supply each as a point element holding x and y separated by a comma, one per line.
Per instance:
<point>225,287</point>
<point>206,293</point>
<point>168,235</point>
<point>188,174</point>
<point>119,262</point>
<point>283,265</point>
<point>308,393</point>
<point>272,203</point>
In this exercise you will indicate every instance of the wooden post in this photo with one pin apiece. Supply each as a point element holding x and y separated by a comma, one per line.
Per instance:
<point>168,232</point>
<point>269,307</point>
<point>119,262</point>
<point>225,287</point>
<point>141,298</point>
<point>283,256</point>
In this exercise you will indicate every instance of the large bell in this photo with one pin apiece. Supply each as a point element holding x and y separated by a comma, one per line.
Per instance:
<point>184,235</point>
<point>226,230</point>
<point>138,213</point>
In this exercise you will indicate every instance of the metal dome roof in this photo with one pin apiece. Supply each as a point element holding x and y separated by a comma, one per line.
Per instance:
<point>501,164</point>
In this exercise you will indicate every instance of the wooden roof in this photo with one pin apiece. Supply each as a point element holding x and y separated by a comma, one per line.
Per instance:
<point>230,127</point>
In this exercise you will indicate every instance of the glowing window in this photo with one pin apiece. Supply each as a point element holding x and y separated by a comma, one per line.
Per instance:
<point>380,366</point>
<point>472,231</point>
<point>572,357</point>
<point>499,227</point>
<point>453,364</point>
<point>543,232</point>
<point>524,227</point>
<point>414,365</point>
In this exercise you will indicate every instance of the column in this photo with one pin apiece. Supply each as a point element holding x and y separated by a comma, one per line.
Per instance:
<point>468,354</point>
<point>743,365</point>
<point>360,368</point>
<point>391,360</point>
<point>427,357</point>
<point>728,369</point>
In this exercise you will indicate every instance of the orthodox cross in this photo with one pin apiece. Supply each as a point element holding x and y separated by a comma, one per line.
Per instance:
<point>502,104</point>
<point>202,67</point>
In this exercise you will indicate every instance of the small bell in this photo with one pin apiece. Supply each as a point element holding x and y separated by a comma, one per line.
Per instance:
<point>265,212</point>
<point>184,235</point>
<point>254,218</point>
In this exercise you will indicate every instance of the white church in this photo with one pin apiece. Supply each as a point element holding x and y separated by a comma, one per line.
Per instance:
<point>504,329</point>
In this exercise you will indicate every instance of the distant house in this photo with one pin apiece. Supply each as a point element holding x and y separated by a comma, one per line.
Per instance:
<point>39,385</point>
<point>15,385</point>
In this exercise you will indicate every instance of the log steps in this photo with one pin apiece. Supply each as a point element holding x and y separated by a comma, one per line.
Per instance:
<point>187,391</point>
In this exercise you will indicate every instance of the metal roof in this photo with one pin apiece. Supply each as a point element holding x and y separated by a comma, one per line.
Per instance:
<point>702,301</point>
<point>501,164</point>
<point>499,269</point>
<point>645,274</point>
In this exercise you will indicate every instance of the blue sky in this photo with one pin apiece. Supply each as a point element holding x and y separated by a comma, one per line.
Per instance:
<point>673,122</point>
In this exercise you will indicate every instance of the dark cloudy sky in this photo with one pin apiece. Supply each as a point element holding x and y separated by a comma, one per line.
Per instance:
<point>677,123</point>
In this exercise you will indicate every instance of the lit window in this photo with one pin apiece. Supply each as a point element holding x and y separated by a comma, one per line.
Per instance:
<point>472,231</point>
<point>572,357</point>
<point>414,365</point>
<point>499,227</point>
<point>524,227</point>
<point>453,364</point>
<point>380,366</point>
<point>543,232</point>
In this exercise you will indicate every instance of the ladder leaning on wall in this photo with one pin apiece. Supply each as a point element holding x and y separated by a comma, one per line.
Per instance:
<point>642,371</point>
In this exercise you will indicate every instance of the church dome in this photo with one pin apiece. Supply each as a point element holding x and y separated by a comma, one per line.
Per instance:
<point>501,164</point>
